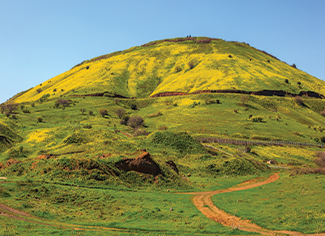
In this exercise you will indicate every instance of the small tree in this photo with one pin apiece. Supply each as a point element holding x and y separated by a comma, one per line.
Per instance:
<point>243,99</point>
<point>83,110</point>
<point>178,69</point>
<point>135,122</point>
<point>120,112</point>
<point>39,119</point>
<point>116,100</point>
<point>103,112</point>
<point>91,113</point>
<point>191,64</point>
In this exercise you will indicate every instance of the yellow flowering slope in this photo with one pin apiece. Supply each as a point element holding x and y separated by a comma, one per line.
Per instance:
<point>187,66</point>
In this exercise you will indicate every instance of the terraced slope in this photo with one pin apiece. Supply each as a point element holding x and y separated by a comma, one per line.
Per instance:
<point>183,65</point>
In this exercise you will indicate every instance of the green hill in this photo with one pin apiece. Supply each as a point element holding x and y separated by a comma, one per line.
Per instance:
<point>184,65</point>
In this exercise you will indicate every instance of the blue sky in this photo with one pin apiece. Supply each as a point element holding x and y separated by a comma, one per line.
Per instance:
<point>41,39</point>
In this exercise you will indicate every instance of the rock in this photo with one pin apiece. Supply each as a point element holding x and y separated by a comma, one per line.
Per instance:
<point>143,163</point>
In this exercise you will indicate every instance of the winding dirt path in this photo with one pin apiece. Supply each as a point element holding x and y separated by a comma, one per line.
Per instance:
<point>204,203</point>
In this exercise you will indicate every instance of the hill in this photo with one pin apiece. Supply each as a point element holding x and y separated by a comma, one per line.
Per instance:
<point>106,148</point>
<point>181,65</point>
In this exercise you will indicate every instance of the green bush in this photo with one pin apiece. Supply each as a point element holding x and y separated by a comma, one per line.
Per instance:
<point>257,119</point>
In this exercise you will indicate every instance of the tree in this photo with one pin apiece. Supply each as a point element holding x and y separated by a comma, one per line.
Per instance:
<point>135,122</point>
<point>243,99</point>
<point>83,110</point>
<point>120,112</point>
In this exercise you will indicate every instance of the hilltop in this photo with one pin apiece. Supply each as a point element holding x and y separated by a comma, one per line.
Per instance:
<point>179,66</point>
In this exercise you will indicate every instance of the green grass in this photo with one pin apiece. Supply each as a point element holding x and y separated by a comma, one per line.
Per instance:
<point>291,203</point>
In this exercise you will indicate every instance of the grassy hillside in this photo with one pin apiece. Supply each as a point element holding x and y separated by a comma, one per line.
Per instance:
<point>177,66</point>
<point>59,148</point>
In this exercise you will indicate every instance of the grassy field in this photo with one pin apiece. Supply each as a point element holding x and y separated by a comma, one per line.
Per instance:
<point>291,203</point>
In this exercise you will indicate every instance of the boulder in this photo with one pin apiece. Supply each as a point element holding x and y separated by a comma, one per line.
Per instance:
<point>143,163</point>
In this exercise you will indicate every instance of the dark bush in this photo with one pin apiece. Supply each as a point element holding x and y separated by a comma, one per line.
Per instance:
<point>322,139</point>
<point>91,113</point>
<point>39,90</point>
<point>120,112</point>
<point>191,64</point>
<point>26,111</point>
<point>54,90</point>
<point>134,107</point>
<point>33,104</point>
<point>230,56</point>
<point>286,81</point>
<point>135,122</point>
<point>22,107</point>
<point>294,66</point>
<point>87,126</point>
<point>124,120</point>
<point>218,101</point>
<point>39,119</point>
<point>7,114</point>
<point>299,83</point>
<point>257,119</point>
<point>103,112</point>
<point>83,110</point>
<point>178,69</point>
<point>87,67</point>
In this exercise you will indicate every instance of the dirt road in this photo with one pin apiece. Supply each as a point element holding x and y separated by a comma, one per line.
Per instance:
<point>203,202</point>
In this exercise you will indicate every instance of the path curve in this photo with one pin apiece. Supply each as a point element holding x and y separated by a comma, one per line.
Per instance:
<point>202,200</point>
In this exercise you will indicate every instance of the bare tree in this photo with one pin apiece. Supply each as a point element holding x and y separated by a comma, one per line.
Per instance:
<point>120,112</point>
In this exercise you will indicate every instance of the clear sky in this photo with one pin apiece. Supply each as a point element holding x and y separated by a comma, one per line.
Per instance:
<point>40,39</point>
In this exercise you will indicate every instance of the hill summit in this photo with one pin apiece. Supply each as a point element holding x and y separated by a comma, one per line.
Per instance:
<point>179,66</point>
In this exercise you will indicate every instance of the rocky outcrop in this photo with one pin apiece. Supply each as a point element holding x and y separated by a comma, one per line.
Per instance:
<point>143,163</point>
<point>279,93</point>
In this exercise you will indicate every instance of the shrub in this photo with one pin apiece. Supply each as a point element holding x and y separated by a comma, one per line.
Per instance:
<point>39,90</point>
<point>286,81</point>
<point>230,56</point>
<point>158,113</point>
<point>120,112</point>
<point>124,120</point>
<point>7,114</point>
<point>26,111</point>
<point>257,119</point>
<point>178,69</point>
<point>22,107</point>
<point>87,67</point>
<point>54,90</point>
<point>39,119</point>
<point>294,66</point>
<point>83,110</point>
<point>103,112</point>
<point>33,104</point>
<point>191,64</point>
<point>140,132</point>
<point>299,100</point>
<point>299,83</point>
<point>135,122</point>
<point>91,113</point>
<point>134,107</point>
<point>87,126</point>
<point>322,139</point>
<point>116,100</point>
